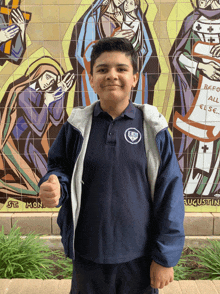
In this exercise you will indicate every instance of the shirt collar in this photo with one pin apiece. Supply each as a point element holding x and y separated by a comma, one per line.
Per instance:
<point>129,111</point>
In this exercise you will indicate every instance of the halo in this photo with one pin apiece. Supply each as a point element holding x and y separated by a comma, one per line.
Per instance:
<point>44,60</point>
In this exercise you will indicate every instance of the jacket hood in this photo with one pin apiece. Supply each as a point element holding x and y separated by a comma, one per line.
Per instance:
<point>156,120</point>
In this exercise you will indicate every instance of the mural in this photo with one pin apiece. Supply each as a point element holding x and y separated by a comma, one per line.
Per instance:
<point>13,23</point>
<point>44,73</point>
<point>121,19</point>
<point>195,65</point>
<point>32,112</point>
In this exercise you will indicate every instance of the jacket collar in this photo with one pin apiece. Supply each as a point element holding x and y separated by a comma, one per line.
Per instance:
<point>81,116</point>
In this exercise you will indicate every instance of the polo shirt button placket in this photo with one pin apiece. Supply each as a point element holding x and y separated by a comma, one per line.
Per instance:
<point>111,134</point>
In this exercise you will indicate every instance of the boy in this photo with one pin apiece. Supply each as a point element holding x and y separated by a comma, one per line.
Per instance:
<point>114,171</point>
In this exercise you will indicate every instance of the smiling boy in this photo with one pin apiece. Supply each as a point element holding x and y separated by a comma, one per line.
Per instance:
<point>114,171</point>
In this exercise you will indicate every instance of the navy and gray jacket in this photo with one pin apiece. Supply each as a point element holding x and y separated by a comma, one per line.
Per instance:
<point>66,157</point>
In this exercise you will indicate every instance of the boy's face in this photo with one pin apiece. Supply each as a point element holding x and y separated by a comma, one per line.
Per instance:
<point>113,77</point>
<point>129,5</point>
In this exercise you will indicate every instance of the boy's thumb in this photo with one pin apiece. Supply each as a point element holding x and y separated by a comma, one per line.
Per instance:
<point>52,179</point>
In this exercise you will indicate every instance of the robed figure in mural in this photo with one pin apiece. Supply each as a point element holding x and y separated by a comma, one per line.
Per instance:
<point>32,113</point>
<point>113,18</point>
<point>14,31</point>
<point>195,121</point>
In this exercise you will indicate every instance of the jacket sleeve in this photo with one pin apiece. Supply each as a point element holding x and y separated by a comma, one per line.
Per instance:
<point>61,159</point>
<point>168,206</point>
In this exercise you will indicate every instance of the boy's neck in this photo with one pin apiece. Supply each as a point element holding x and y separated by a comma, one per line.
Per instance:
<point>114,109</point>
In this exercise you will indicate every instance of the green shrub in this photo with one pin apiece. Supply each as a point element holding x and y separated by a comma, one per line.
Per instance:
<point>181,271</point>
<point>208,260</point>
<point>65,266</point>
<point>30,258</point>
<point>26,258</point>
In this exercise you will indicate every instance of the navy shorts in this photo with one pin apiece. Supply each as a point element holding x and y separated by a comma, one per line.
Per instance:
<point>131,277</point>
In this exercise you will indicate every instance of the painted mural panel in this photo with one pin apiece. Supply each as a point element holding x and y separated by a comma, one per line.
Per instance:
<point>120,19</point>
<point>13,24</point>
<point>32,111</point>
<point>45,49</point>
<point>195,66</point>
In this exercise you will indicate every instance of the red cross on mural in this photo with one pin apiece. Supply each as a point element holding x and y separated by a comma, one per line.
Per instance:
<point>7,11</point>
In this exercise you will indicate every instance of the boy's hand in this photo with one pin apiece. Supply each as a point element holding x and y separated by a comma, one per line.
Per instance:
<point>50,192</point>
<point>160,276</point>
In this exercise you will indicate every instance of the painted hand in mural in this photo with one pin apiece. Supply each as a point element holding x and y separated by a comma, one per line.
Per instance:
<point>160,276</point>
<point>67,81</point>
<point>8,33</point>
<point>128,34</point>
<point>211,70</point>
<point>63,85</point>
<point>18,18</point>
<point>50,192</point>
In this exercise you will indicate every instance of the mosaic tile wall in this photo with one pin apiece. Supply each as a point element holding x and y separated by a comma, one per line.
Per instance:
<point>45,51</point>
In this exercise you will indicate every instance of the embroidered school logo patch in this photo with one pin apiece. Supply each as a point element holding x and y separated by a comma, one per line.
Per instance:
<point>132,136</point>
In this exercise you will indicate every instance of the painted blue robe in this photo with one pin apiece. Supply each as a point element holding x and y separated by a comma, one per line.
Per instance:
<point>33,117</point>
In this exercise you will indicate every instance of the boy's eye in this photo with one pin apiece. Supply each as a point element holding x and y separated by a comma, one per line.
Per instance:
<point>121,69</point>
<point>102,70</point>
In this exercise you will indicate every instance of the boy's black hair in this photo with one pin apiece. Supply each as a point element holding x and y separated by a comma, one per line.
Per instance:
<point>114,44</point>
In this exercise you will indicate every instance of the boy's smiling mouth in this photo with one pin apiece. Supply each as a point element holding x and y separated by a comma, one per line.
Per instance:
<point>111,85</point>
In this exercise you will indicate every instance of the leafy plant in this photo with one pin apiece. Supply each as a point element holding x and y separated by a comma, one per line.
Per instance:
<point>30,258</point>
<point>208,260</point>
<point>181,270</point>
<point>26,258</point>
<point>65,266</point>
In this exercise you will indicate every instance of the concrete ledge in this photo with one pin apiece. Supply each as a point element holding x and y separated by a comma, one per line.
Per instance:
<point>216,224</point>
<point>54,242</point>
<point>199,224</point>
<point>45,223</point>
<point>5,220</point>
<point>199,241</point>
<point>55,227</point>
<point>24,286</point>
<point>39,223</point>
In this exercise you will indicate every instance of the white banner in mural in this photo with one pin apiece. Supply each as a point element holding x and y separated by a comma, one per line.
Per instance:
<point>202,122</point>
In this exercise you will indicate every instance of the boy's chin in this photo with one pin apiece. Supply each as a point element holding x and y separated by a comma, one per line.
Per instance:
<point>113,98</point>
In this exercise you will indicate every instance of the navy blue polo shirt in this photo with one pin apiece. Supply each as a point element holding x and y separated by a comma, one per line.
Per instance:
<point>114,220</point>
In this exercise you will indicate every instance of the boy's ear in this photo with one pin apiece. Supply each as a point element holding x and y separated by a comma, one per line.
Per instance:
<point>91,80</point>
<point>135,77</point>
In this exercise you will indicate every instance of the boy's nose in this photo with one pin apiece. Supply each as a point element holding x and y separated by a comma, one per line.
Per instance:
<point>112,75</point>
